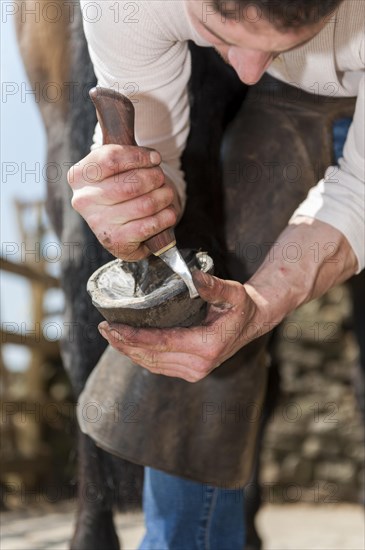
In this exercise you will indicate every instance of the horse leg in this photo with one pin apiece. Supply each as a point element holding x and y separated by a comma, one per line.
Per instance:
<point>58,53</point>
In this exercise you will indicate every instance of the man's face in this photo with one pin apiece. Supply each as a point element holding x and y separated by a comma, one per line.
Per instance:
<point>249,43</point>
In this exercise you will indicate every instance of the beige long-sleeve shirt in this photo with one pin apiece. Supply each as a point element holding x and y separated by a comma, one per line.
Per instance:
<point>140,49</point>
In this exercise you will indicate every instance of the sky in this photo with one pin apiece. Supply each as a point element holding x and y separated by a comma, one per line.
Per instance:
<point>22,149</point>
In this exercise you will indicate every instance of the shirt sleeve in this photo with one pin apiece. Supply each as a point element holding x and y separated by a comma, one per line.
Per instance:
<point>134,56</point>
<point>339,198</point>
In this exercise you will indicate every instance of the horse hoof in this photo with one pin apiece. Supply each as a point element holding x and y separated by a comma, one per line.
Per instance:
<point>94,532</point>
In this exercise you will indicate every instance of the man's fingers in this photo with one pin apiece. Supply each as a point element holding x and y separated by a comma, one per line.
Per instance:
<point>138,231</point>
<point>181,364</point>
<point>196,340</point>
<point>99,215</point>
<point>140,207</point>
<point>123,240</point>
<point>118,188</point>
<point>217,291</point>
<point>157,339</point>
<point>178,365</point>
<point>108,160</point>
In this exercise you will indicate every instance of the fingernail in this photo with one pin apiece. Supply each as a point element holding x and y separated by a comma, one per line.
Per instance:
<point>203,278</point>
<point>115,334</point>
<point>155,157</point>
<point>103,333</point>
<point>103,325</point>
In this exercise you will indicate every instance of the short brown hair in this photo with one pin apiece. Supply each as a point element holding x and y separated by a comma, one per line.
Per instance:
<point>283,14</point>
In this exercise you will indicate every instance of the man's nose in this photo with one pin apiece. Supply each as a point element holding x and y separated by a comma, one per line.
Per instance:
<point>249,65</point>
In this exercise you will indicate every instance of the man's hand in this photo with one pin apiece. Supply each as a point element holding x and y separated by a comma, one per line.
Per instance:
<point>124,197</point>
<point>192,353</point>
<point>240,313</point>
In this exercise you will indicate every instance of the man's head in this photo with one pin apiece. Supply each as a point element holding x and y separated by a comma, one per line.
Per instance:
<point>249,34</point>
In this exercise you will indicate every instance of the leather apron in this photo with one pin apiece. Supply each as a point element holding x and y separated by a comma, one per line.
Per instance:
<point>208,431</point>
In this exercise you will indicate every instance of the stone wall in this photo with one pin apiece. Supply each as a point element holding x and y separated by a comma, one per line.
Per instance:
<point>313,447</point>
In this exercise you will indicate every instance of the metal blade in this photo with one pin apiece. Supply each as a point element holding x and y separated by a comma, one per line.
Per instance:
<point>173,259</point>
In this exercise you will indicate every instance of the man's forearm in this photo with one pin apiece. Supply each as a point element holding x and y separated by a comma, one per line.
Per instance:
<point>309,258</point>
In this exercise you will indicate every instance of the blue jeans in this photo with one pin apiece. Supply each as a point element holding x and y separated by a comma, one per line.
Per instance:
<point>340,131</point>
<point>185,515</point>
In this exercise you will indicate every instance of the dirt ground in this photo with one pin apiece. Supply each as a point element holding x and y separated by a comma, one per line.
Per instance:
<point>283,527</point>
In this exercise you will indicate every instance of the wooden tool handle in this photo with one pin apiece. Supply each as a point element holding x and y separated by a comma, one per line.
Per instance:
<point>115,114</point>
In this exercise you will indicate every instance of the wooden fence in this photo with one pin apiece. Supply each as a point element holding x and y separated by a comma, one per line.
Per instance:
<point>28,461</point>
